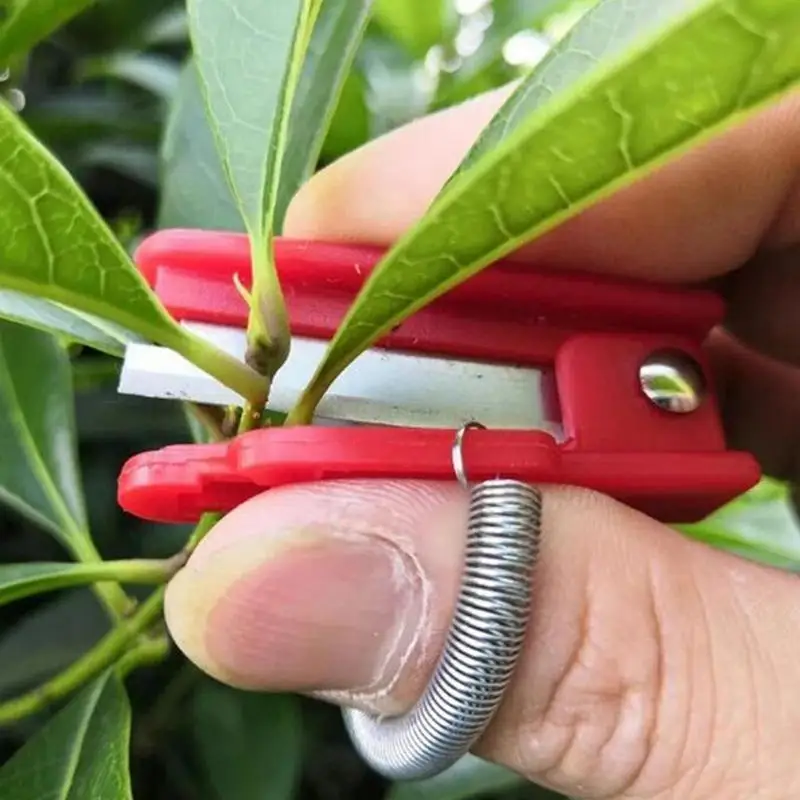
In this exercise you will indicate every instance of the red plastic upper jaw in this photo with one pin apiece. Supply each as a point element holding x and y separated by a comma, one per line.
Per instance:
<point>505,314</point>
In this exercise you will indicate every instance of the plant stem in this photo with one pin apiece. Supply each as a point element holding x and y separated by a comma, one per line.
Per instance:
<point>148,651</point>
<point>103,655</point>
<point>303,411</point>
<point>116,600</point>
<point>268,334</point>
<point>225,368</point>
<point>251,416</point>
<point>206,523</point>
<point>135,571</point>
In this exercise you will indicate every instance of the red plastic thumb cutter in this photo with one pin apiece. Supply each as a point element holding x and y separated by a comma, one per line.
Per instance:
<point>515,378</point>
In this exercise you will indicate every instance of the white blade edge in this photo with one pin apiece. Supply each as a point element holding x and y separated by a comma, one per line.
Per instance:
<point>379,387</point>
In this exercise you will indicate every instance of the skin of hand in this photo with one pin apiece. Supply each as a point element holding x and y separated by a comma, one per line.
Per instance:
<point>655,667</point>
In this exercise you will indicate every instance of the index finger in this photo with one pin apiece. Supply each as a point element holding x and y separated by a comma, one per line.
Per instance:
<point>696,218</point>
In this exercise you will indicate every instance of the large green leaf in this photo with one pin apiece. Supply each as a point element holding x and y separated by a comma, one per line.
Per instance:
<point>249,745</point>
<point>248,77</point>
<point>54,244</point>
<point>331,51</point>
<point>39,474</point>
<point>24,23</point>
<point>72,325</point>
<point>634,84</point>
<point>761,525</point>
<point>81,753</point>
<point>47,640</point>
<point>194,190</point>
<point>23,580</point>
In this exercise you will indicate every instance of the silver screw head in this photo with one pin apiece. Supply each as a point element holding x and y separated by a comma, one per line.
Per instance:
<point>673,381</point>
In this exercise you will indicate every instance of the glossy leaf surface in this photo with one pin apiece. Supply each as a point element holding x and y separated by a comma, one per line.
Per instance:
<point>56,319</point>
<point>246,80</point>
<point>633,84</point>
<point>81,753</point>
<point>39,474</point>
<point>194,190</point>
<point>54,244</point>
<point>331,50</point>
<point>49,638</point>
<point>761,526</point>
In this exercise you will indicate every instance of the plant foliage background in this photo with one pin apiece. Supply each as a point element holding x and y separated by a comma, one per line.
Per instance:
<point>110,89</point>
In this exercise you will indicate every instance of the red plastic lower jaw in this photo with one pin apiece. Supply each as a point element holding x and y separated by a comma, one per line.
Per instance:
<point>179,483</point>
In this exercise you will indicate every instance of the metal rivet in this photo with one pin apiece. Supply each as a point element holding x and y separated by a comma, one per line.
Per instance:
<point>673,381</point>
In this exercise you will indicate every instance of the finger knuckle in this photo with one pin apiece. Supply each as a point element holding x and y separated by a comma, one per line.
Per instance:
<point>602,711</point>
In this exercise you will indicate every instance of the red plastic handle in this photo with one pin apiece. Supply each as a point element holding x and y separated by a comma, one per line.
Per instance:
<point>179,483</point>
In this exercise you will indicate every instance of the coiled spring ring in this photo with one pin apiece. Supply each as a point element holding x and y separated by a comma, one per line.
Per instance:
<point>483,643</point>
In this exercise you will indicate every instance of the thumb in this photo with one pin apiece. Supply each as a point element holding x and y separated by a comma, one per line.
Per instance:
<point>654,667</point>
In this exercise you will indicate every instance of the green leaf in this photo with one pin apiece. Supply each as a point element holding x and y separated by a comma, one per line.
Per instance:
<point>331,51</point>
<point>761,525</point>
<point>53,318</point>
<point>39,474</point>
<point>634,84</point>
<point>54,244</point>
<point>250,110</point>
<point>81,753</point>
<point>248,78</point>
<point>24,23</point>
<point>23,580</point>
<point>249,745</point>
<point>48,639</point>
<point>194,190</point>
<point>469,777</point>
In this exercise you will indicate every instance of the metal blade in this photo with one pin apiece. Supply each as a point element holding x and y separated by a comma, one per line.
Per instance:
<point>379,387</point>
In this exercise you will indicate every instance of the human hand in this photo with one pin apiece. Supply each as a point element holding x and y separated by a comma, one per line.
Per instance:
<point>655,666</point>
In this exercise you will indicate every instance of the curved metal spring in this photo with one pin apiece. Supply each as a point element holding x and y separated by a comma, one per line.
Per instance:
<point>483,644</point>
